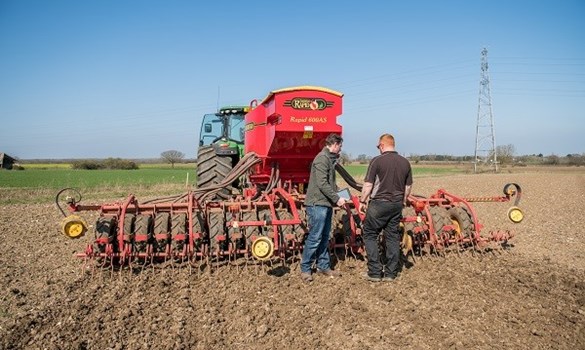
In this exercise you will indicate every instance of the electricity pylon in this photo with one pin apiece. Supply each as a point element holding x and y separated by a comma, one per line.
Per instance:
<point>485,137</point>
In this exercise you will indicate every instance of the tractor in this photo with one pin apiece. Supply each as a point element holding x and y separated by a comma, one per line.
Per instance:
<point>249,202</point>
<point>221,146</point>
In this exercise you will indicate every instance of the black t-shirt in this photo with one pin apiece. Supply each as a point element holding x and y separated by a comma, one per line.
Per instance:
<point>390,173</point>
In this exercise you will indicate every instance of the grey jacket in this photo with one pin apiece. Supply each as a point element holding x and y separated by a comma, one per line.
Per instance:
<point>322,189</point>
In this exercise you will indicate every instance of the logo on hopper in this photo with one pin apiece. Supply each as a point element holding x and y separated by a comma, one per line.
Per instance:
<point>314,104</point>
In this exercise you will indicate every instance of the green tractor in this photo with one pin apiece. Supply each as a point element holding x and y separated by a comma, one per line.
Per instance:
<point>221,146</point>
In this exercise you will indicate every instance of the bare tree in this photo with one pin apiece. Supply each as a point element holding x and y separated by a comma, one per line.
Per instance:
<point>344,158</point>
<point>172,157</point>
<point>505,153</point>
<point>363,159</point>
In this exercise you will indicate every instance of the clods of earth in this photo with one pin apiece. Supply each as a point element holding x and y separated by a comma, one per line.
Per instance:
<point>531,296</point>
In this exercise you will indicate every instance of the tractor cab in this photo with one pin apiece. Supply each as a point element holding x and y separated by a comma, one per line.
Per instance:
<point>224,130</point>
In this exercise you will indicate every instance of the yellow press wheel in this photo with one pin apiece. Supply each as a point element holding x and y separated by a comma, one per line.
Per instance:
<point>262,248</point>
<point>515,214</point>
<point>73,226</point>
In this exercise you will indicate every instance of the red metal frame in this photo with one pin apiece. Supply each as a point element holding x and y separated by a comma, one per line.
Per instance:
<point>425,235</point>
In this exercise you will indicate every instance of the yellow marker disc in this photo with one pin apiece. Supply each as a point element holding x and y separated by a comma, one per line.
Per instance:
<point>515,214</point>
<point>262,248</point>
<point>73,226</point>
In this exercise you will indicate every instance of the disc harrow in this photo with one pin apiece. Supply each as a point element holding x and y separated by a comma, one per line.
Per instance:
<point>446,222</point>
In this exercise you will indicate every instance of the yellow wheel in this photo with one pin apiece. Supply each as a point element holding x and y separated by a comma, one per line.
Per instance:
<point>515,214</point>
<point>73,226</point>
<point>262,248</point>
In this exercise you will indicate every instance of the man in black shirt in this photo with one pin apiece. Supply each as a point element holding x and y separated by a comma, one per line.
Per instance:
<point>387,186</point>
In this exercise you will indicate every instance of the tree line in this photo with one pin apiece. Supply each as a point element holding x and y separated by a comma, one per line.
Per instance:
<point>505,155</point>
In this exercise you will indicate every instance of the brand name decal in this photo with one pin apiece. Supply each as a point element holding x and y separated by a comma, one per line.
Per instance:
<point>314,104</point>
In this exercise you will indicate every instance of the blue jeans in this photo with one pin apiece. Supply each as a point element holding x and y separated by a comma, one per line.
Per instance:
<point>318,239</point>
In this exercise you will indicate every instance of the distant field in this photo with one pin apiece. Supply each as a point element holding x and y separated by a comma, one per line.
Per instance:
<point>142,166</point>
<point>57,176</point>
<point>67,177</point>
<point>42,166</point>
<point>189,166</point>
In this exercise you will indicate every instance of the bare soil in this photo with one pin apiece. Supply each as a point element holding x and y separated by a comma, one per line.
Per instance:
<point>532,297</point>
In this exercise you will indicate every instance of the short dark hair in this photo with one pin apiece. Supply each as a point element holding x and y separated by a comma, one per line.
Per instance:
<point>333,139</point>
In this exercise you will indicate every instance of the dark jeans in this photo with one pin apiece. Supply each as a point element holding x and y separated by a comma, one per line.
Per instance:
<point>318,239</point>
<point>386,216</point>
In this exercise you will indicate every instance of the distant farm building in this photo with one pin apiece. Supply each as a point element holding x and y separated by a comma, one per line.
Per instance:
<point>6,161</point>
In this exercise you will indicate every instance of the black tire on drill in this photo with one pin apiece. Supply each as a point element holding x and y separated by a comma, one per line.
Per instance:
<point>213,169</point>
<point>105,229</point>
<point>198,225</point>
<point>142,227</point>
<point>250,230</point>
<point>216,224</point>
<point>162,227</point>
<point>178,227</point>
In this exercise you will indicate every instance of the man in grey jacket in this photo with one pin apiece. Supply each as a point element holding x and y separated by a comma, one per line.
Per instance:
<point>320,199</point>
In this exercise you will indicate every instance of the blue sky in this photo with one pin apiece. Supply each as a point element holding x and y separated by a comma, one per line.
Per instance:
<point>131,79</point>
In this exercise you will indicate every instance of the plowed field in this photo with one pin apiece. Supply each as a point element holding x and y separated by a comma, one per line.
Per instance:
<point>532,297</point>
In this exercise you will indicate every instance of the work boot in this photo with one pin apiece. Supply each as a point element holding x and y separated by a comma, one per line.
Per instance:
<point>371,278</point>
<point>390,278</point>
<point>329,273</point>
<point>306,277</point>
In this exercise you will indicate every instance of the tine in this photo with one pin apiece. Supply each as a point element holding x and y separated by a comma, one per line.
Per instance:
<point>190,264</point>
<point>352,253</point>
<point>346,252</point>
<point>208,260</point>
<point>196,264</point>
<point>426,250</point>
<point>83,266</point>
<point>216,260</point>
<point>111,267</point>
<point>130,266</point>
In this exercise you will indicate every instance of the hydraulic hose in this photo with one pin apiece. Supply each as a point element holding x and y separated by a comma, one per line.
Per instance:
<point>348,178</point>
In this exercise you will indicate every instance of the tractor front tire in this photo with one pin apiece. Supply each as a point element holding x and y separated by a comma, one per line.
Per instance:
<point>213,169</point>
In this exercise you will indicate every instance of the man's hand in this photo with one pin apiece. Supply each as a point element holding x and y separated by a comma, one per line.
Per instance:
<point>340,202</point>
<point>363,207</point>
